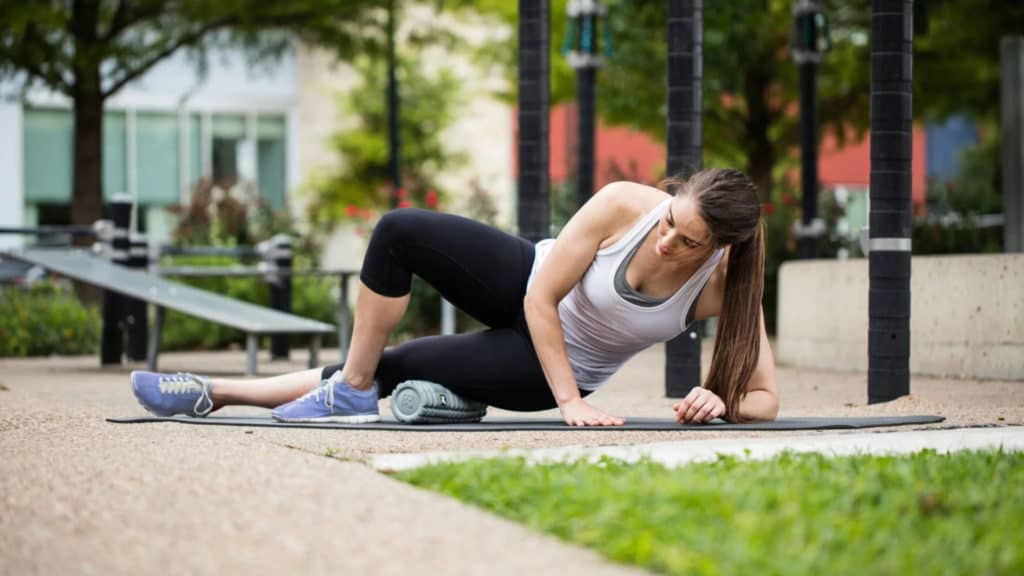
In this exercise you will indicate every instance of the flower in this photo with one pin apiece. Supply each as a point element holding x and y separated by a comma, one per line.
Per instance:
<point>401,193</point>
<point>351,210</point>
<point>431,199</point>
<point>768,208</point>
<point>404,204</point>
<point>787,199</point>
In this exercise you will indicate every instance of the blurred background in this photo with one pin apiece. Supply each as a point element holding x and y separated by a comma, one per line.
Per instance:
<point>232,121</point>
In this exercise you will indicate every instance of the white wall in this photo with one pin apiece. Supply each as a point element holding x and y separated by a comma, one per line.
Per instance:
<point>11,189</point>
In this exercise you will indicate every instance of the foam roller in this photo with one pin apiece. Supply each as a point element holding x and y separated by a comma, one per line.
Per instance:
<point>423,402</point>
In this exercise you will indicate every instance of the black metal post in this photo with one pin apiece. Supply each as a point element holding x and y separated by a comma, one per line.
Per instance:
<point>279,256</point>
<point>136,311</point>
<point>585,96</point>
<point>807,238</point>
<point>534,68</point>
<point>585,58</point>
<point>112,338</point>
<point>889,247</point>
<point>394,132</point>
<point>685,155</point>
<point>810,41</point>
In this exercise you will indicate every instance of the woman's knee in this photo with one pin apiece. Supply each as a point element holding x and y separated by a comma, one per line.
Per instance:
<point>394,227</point>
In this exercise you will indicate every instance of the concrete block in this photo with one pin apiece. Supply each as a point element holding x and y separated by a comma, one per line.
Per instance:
<point>967,315</point>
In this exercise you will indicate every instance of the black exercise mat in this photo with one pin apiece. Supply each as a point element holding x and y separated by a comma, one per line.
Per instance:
<point>494,424</point>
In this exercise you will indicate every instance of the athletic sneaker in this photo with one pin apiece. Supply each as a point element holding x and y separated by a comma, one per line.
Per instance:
<point>170,394</point>
<point>332,401</point>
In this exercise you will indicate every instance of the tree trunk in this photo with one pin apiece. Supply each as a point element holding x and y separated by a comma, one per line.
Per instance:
<point>87,201</point>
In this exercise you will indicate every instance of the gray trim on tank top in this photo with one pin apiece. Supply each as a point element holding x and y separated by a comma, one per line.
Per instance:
<point>625,290</point>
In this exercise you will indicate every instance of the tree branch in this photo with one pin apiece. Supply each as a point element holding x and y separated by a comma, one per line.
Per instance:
<point>185,40</point>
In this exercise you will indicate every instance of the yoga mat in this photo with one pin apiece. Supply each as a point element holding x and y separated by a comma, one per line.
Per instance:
<point>496,424</point>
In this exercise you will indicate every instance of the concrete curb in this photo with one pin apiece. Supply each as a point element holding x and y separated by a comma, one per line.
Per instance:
<point>680,453</point>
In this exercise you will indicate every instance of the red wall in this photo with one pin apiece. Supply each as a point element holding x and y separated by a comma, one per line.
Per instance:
<point>622,153</point>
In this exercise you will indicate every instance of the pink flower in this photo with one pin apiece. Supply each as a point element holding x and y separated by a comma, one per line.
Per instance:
<point>401,193</point>
<point>404,204</point>
<point>431,199</point>
<point>351,210</point>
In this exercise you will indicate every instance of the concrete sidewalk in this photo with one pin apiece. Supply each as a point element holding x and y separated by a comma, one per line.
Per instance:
<point>85,496</point>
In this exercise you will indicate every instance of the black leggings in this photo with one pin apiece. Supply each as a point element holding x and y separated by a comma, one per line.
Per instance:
<point>482,271</point>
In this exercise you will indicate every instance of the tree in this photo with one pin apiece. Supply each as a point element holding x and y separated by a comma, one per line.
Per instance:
<point>750,79</point>
<point>362,181</point>
<point>87,50</point>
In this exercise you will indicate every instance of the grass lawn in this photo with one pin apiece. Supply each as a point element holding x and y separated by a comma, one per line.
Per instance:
<point>795,514</point>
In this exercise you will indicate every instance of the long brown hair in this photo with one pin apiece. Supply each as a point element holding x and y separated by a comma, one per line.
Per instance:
<point>729,204</point>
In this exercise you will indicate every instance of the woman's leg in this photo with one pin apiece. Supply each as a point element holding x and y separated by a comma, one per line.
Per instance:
<point>480,269</point>
<point>267,392</point>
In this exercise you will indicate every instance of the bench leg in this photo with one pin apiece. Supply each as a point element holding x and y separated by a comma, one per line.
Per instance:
<point>251,349</point>
<point>154,338</point>
<point>343,320</point>
<point>314,351</point>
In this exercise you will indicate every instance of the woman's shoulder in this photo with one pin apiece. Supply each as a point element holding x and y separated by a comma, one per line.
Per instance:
<point>629,200</point>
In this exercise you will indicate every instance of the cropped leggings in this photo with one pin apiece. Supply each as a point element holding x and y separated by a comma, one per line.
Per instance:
<point>482,271</point>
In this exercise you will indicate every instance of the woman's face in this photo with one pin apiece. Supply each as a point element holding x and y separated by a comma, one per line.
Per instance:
<point>683,237</point>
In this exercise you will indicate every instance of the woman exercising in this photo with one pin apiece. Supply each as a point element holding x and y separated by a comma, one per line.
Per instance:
<point>633,267</point>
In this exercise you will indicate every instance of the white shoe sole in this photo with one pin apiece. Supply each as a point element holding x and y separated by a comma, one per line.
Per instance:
<point>354,419</point>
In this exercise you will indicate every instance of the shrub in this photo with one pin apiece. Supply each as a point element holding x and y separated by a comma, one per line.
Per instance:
<point>44,319</point>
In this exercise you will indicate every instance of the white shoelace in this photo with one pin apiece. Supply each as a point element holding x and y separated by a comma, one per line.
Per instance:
<point>184,383</point>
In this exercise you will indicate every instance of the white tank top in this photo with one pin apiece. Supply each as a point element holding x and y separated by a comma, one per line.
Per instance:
<point>602,329</point>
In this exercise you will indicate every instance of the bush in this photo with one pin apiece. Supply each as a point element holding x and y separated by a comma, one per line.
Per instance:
<point>46,319</point>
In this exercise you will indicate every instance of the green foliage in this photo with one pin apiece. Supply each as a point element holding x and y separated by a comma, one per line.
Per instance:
<point>956,67</point>
<point>46,319</point>
<point>98,47</point>
<point>428,105</point>
<point>926,513</point>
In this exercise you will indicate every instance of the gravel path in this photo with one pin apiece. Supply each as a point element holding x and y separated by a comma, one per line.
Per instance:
<point>84,496</point>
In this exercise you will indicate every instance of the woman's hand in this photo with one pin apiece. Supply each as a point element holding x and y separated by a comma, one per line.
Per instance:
<point>700,405</point>
<point>578,413</point>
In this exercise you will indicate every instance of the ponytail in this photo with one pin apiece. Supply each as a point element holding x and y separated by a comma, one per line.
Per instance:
<point>738,342</point>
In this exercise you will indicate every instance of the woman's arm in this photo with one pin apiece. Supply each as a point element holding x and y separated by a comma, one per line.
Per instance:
<point>761,401</point>
<point>571,255</point>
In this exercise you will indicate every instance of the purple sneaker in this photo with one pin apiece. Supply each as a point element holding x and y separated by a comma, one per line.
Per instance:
<point>332,401</point>
<point>170,394</point>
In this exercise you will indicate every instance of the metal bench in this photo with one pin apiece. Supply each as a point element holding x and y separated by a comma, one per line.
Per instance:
<point>251,319</point>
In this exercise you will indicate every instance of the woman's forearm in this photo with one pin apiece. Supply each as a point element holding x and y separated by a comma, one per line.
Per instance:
<point>548,340</point>
<point>759,405</point>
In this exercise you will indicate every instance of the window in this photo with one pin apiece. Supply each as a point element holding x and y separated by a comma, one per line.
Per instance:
<point>271,159</point>
<point>156,158</point>
<point>228,136</point>
<point>47,155</point>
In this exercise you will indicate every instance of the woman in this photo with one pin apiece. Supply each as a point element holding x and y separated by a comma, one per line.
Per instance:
<point>633,267</point>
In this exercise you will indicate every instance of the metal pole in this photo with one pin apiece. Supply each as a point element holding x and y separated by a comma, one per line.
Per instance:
<point>278,256</point>
<point>685,63</point>
<point>808,233</point>
<point>1012,134</point>
<point>534,66</point>
<point>889,233</point>
<point>585,96</point>
<point>585,58</point>
<point>112,338</point>
<point>394,133</point>
<point>136,310</point>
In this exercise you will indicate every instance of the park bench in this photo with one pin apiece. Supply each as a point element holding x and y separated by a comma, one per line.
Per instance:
<point>253,320</point>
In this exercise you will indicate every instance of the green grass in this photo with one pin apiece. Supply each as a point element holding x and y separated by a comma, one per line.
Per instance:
<point>795,514</point>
